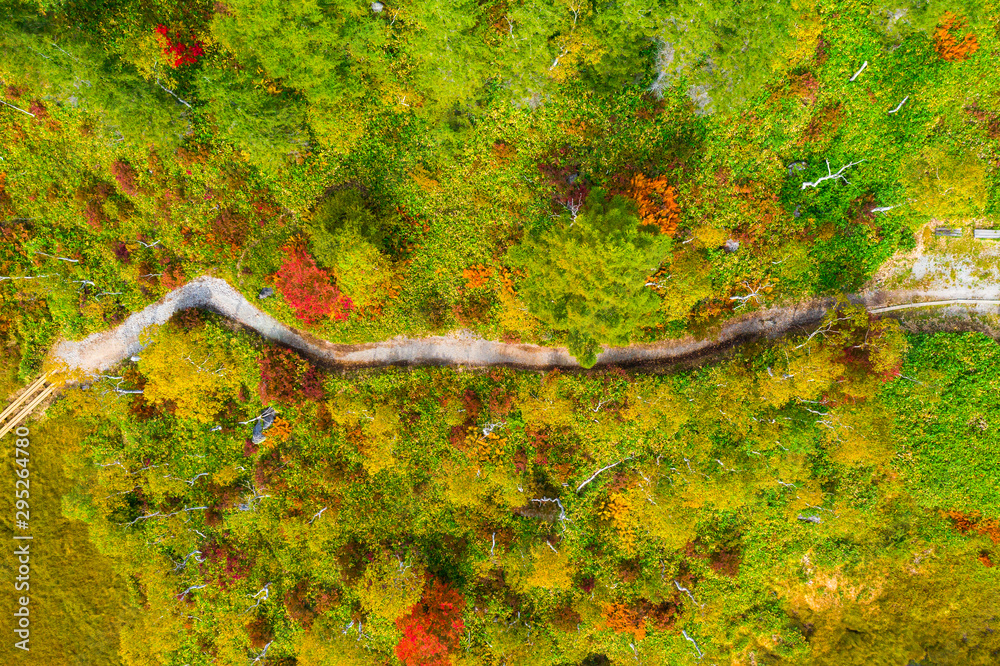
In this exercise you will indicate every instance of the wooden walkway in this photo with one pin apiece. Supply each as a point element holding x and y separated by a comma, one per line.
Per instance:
<point>34,395</point>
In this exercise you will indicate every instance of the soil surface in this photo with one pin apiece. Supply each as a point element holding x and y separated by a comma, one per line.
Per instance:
<point>102,351</point>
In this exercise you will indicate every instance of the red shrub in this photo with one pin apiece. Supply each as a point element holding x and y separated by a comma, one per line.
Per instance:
<point>121,252</point>
<point>419,648</point>
<point>308,289</point>
<point>96,217</point>
<point>38,109</point>
<point>125,176</point>
<point>226,563</point>
<point>181,53</point>
<point>287,377</point>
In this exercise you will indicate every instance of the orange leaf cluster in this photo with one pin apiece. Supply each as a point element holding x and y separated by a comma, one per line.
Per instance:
<point>507,277</point>
<point>947,45</point>
<point>631,619</point>
<point>657,202</point>
<point>476,276</point>
<point>966,523</point>
<point>280,431</point>
<point>623,619</point>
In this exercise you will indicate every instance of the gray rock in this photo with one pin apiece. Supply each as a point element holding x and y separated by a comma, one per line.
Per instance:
<point>797,212</point>
<point>258,433</point>
<point>800,165</point>
<point>267,417</point>
<point>731,246</point>
<point>264,421</point>
<point>377,7</point>
<point>266,292</point>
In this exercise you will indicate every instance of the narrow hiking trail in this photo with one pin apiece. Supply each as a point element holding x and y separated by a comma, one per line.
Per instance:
<point>102,351</point>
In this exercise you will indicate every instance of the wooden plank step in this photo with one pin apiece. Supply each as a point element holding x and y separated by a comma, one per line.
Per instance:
<point>945,231</point>
<point>986,233</point>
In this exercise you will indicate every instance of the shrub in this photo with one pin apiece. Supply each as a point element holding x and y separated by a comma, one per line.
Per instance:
<point>124,175</point>
<point>178,53</point>
<point>287,377</point>
<point>308,289</point>
<point>947,45</point>
<point>432,627</point>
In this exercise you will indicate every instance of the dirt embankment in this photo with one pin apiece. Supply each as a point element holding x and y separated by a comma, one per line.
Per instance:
<point>102,351</point>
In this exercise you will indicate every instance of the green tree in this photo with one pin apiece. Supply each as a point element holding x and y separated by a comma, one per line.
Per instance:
<point>345,236</point>
<point>728,51</point>
<point>41,51</point>
<point>268,126</point>
<point>333,53</point>
<point>586,276</point>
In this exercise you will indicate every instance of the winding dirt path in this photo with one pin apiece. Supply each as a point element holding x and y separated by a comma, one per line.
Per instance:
<point>102,351</point>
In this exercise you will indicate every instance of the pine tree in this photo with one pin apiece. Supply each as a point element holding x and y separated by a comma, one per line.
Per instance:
<point>586,277</point>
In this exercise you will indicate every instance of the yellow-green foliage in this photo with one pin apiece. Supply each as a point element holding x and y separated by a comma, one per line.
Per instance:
<point>328,645</point>
<point>78,603</point>
<point>390,587</point>
<point>943,184</point>
<point>552,569</point>
<point>690,281</point>
<point>545,405</point>
<point>655,407</point>
<point>194,372</point>
<point>380,436</point>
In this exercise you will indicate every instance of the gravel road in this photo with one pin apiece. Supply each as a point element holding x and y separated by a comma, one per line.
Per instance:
<point>101,351</point>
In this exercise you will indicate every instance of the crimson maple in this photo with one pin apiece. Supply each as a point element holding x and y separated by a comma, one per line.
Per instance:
<point>309,289</point>
<point>432,627</point>
<point>183,54</point>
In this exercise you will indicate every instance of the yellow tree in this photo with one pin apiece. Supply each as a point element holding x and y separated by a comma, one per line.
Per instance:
<point>191,371</point>
<point>390,586</point>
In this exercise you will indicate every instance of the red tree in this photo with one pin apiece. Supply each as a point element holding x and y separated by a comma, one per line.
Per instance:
<point>309,290</point>
<point>183,54</point>
<point>432,627</point>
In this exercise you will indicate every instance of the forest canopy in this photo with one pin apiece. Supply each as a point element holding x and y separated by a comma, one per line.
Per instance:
<point>577,175</point>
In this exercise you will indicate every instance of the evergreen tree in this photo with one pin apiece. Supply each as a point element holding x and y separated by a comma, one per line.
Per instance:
<point>587,275</point>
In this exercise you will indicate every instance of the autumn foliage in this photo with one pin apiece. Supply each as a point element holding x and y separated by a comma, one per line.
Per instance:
<point>966,523</point>
<point>310,289</point>
<point>287,377</point>
<point>177,52</point>
<point>432,627</point>
<point>632,618</point>
<point>946,43</point>
<point>125,176</point>
<point>476,276</point>
<point>657,202</point>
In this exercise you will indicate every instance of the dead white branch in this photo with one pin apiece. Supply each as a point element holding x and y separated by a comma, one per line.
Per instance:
<point>27,113</point>
<point>681,588</point>
<point>684,633</point>
<point>858,73</point>
<point>603,469</point>
<point>883,209</point>
<point>900,105</point>
<point>830,175</point>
